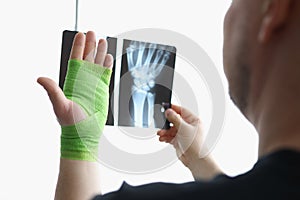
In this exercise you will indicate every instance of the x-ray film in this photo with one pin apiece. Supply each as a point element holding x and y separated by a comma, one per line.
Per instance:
<point>145,83</point>
<point>146,79</point>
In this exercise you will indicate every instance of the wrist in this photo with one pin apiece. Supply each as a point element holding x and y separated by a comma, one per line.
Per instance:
<point>203,168</point>
<point>81,141</point>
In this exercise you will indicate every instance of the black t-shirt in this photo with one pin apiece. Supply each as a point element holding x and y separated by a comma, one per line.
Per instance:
<point>276,176</point>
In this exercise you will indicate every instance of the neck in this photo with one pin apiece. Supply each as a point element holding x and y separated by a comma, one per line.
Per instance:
<point>274,103</point>
<point>277,117</point>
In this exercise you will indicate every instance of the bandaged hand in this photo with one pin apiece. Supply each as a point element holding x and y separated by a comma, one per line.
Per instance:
<point>81,108</point>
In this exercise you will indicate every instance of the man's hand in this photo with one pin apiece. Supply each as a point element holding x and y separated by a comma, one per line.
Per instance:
<point>79,178</point>
<point>186,135</point>
<point>84,48</point>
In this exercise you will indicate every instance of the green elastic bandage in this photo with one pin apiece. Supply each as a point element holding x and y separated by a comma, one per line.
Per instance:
<point>86,84</point>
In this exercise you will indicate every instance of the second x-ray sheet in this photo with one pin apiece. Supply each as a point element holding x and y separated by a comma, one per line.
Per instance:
<point>146,81</point>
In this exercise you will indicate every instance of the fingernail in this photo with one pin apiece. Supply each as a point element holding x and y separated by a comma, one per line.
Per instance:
<point>100,41</point>
<point>168,112</point>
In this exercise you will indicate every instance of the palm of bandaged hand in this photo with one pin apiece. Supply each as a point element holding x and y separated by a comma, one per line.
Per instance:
<point>67,112</point>
<point>86,84</point>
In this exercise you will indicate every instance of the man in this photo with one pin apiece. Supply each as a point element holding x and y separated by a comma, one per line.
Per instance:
<point>262,65</point>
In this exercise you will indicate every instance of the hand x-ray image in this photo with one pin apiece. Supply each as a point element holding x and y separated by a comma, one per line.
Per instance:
<point>146,79</point>
<point>146,82</point>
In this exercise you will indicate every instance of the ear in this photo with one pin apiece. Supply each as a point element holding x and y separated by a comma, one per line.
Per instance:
<point>275,15</point>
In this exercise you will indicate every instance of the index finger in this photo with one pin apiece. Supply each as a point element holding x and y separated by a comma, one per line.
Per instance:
<point>184,113</point>
<point>176,108</point>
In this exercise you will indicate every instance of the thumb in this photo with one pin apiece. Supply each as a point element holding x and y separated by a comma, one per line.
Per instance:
<point>55,94</point>
<point>186,133</point>
<point>173,117</point>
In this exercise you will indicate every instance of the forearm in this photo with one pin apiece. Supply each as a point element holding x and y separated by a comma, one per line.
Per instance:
<point>204,168</point>
<point>77,180</point>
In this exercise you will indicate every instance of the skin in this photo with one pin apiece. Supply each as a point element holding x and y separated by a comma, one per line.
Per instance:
<point>262,65</point>
<point>187,136</point>
<point>77,179</point>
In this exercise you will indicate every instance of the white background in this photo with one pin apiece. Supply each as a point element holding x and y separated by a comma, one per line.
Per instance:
<point>30,43</point>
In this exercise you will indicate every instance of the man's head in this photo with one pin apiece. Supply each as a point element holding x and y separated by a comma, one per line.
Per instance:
<point>257,33</point>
